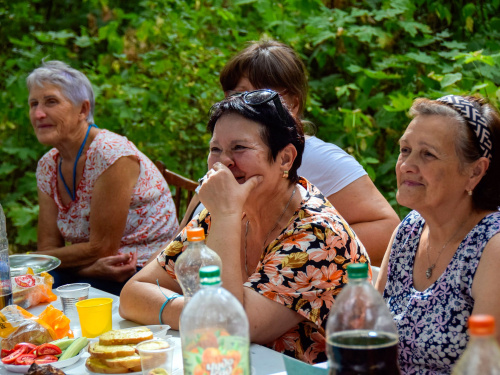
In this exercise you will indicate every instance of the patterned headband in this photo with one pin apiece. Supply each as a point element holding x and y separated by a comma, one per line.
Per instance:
<point>474,119</point>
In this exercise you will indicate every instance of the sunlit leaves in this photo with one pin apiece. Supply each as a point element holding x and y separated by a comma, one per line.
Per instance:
<point>154,65</point>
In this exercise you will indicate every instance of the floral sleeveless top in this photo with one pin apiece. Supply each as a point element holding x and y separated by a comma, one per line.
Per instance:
<point>151,220</point>
<point>304,269</point>
<point>432,324</point>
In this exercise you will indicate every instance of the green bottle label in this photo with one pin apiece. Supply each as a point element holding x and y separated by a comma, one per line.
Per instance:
<point>215,352</point>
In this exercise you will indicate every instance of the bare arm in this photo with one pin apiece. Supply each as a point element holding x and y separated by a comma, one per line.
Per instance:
<point>141,290</point>
<point>484,286</point>
<point>109,211</point>
<point>369,214</point>
<point>268,319</point>
<point>382,275</point>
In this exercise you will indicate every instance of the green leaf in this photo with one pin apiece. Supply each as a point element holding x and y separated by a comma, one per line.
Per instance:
<point>450,79</point>
<point>421,57</point>
<point>6,168</point>
<point>454,45</point>
<point>399,103</point>
<point>412,27</point>
<point>370,160</point>
<point>469,24</point>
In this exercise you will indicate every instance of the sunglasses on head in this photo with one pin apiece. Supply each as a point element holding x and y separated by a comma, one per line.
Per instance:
<point>262,96</point>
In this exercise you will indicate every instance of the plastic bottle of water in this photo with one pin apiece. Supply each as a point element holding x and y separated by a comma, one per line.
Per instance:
<point>362,337</point>
<point>214,330</point>
<point>188,264</point>
<point>482,354</point>
<point>5,283</point>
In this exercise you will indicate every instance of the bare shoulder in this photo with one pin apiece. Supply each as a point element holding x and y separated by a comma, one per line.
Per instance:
<point>487,271</point>
<point>491,252</point>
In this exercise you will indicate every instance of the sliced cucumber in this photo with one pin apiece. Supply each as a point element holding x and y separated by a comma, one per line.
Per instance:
<point>63,343</point>
<point>74,348</point>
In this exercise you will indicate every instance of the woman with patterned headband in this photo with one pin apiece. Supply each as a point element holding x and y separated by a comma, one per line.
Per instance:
<point>442,263</point>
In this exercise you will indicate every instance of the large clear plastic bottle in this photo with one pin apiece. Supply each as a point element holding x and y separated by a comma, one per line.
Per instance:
<point>214,330</point>
<point>5,283</point>
<point>482,354</point>
<point>362,337</point>
<point>188,264</point>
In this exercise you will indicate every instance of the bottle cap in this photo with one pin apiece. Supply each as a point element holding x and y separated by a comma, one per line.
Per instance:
<point>481,325</point>
<point>195,234</point>
<point>209,275</point>
<point>357,271</point>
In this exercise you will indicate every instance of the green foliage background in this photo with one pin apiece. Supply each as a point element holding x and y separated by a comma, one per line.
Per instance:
<point>154,65</point>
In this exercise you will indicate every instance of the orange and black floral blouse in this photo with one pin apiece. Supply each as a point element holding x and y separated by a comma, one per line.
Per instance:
<point>303,269</point>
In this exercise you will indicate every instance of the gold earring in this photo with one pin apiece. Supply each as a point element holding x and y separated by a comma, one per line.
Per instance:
<point>285,174</point>
<point>469,192</point>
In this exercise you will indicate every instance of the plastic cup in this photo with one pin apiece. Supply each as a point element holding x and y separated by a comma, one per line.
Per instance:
<point>95,316</point>
<point>157,356</point>
<point>70,294</point>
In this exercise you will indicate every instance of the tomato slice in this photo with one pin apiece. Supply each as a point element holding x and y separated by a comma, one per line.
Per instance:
<point>48,348</point>
<point>29,346</point>
<point>5,353</point>
<point>48,358</point>
<point>25,359</point>
<point>12,356</point>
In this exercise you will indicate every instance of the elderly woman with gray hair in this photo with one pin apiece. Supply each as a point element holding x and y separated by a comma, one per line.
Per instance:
<point>104,206</point>
<point>443,260</point>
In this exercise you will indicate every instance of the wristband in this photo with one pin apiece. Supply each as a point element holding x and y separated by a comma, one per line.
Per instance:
<point>173,296</point>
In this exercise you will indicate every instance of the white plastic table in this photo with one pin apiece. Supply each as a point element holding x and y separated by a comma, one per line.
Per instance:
<point>264,361</point>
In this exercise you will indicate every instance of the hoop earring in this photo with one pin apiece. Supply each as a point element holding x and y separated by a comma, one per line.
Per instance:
<point>285,174</point>
<point>469,192</point>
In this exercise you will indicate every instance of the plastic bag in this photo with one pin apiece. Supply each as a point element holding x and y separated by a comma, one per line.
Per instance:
<point>18,325</point>
<point>57,320</point>
<point>30,290</point>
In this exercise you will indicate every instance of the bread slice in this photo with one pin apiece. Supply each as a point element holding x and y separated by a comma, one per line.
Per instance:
<point>99,351</point>
<point>126,336</point>
<point>96,365</point>
<point>124,362</point>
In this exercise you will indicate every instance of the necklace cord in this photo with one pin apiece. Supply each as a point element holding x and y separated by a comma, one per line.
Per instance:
<point>72,194</point>
<point>269,233</point>
<point>428,273</point>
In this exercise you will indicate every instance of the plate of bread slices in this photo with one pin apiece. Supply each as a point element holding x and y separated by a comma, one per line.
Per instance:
<point>114,352</point>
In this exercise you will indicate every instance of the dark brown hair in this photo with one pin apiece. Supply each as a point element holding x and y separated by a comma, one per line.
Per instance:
<point>276,132</point>
<point>268,65</point>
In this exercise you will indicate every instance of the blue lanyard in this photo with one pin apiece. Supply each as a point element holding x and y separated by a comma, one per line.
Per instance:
<point>73,194</point>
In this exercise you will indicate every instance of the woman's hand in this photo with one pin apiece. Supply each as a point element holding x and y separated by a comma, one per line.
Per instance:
<point>221,194</point>
<point>118,268</point>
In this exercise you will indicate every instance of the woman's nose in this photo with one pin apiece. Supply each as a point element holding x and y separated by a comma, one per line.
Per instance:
<point>407,164</point>
<point>39,113</point>
<point>227,159</point>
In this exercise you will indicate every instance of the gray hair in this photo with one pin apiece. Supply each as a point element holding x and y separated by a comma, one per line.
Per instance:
<point>466,145</point>
<point>74,85</point>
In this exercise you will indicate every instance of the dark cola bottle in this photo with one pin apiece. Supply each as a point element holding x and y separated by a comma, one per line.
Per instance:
<point>362,337</point>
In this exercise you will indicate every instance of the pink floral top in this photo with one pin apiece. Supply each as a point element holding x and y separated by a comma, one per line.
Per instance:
<point>304,269</point>
<point>151,221</point>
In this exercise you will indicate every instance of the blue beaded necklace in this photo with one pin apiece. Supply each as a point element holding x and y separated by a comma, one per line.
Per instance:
<point>72,194</point>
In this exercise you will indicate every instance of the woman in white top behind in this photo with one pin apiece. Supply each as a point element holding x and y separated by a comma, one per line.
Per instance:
<point>273,65</point>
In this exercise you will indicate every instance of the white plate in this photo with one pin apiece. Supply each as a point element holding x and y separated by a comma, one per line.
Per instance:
<point>62,364</point>
<point>159,331</point>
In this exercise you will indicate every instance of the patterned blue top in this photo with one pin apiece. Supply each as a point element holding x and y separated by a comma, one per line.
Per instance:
<point>432,323</point>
